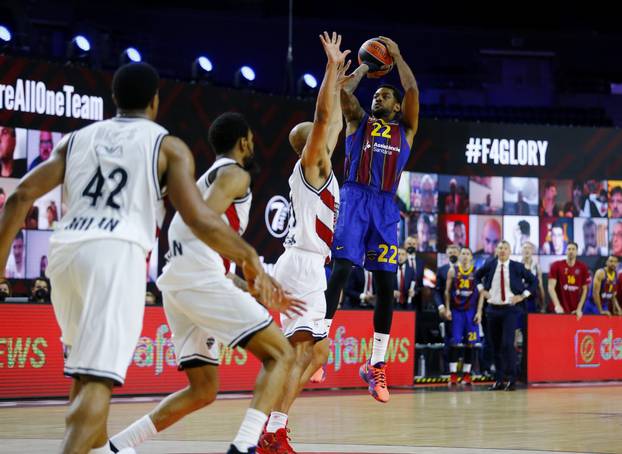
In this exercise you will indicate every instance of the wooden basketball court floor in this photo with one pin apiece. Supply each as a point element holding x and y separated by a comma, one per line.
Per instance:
<point>572,419</point>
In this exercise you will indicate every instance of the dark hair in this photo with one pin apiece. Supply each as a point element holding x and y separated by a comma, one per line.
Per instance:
<point>615,190</point>
<point>20,235</point>
<point>524,227</point>
<point>226,130</point>
<point>572,243</point>
<point>458,224</point>
<point>134,85</point>
<point>8,284</point>
<point>549,184</point>
<point>42,279</point>
<point>397,94</point>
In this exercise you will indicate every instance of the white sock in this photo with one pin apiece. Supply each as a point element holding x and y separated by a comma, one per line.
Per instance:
<point>453,368</point>
<point>101,450</point>
<point>138,432</point>
<point>277,421</point>
<point>250,430</point>
<point>379,349</point>
<point>328,322</point>
<point>466,368</point>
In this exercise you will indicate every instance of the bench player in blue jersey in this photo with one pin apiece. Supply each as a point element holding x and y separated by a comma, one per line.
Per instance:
<point>377,149</point>
<point>461,297</point>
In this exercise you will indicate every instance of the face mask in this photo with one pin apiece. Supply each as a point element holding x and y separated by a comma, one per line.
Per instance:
<point>41,294</point>
<point>411,250</point>
<point>453,259</point>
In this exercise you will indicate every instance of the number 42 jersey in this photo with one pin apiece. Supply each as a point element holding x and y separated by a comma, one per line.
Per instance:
<point>111,188</point>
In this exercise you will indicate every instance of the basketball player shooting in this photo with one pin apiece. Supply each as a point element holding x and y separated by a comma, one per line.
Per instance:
<point>113,173</point>
<point>377,149</point>
<point>314,201</point>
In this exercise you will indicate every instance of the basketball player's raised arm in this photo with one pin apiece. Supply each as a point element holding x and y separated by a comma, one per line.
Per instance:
<point>315,155</point>
<point>352,110</point>
<point>336,117</point>
<point>410,103</point>
<point>41,180</point>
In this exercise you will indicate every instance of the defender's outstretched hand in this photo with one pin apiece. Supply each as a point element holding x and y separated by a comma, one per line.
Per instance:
<point>331,47</point>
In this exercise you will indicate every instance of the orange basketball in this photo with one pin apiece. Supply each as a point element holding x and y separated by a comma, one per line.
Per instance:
<point>374,54</point>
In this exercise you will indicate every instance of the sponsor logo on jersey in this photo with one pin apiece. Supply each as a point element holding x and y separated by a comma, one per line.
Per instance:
<point>277,216</point>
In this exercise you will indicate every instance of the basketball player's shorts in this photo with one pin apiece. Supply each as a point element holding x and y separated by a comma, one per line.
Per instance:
<point>203,317</point>
<point>98,294</point>
<point>463,329</point>
<point>366,230</point>
<point>302,274</point>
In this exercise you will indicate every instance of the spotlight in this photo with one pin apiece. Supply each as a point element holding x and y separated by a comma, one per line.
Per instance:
<point>78,48</point>
<point>129,55</point>
<point>202,69</point>
<point>244,77</point>
<point>5,36</point>
<point>307,85</point>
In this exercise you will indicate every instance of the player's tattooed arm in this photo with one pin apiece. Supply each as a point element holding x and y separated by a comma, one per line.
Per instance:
<point>41,180</point>
<point>352,110</point>
<point>410,103</point>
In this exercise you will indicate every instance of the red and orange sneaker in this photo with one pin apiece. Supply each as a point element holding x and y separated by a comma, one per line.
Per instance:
<point>467,380</point>
<point>319,376</point>
<point>453,379</point>
<point>282,438</point>
<point>376,379</point>
<point>275,443</point>
<point>267,443</point>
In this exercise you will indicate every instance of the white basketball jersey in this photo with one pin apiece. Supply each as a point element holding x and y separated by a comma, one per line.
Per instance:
<point>190,260</point>
<point>111,187</point>
<point>313,213</point>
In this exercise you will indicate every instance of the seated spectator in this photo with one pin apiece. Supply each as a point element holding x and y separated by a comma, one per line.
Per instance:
<point>5,289</point>
<point>40,291</point>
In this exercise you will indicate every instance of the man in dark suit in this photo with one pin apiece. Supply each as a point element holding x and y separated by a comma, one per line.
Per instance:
<point>408,280</point>
<point>504,284</point>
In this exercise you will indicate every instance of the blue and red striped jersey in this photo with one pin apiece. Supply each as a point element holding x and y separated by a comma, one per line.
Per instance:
<point>376,154</point>
<point>464,292</point>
